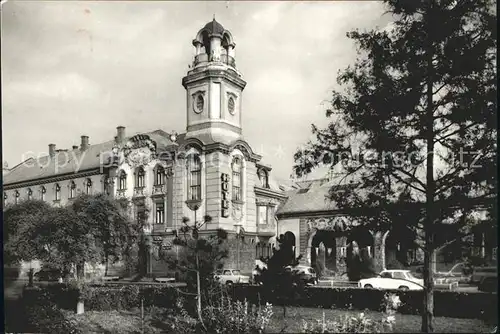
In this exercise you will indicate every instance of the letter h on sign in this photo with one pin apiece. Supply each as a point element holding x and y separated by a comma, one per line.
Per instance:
<point>225,195</point>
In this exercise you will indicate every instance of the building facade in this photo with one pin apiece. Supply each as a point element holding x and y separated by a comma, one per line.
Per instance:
<point>208,170</point>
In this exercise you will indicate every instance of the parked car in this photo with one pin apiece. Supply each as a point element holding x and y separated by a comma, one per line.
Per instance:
<point>393,279</point>
<point>488,284</point>
<point>307,274</point>
<point>231,276</point>
<point>480,273</point>
<point>48,275</point>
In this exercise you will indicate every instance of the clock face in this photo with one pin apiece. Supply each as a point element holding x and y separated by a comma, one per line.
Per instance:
<point>230,106</point>
<point>198,104</point>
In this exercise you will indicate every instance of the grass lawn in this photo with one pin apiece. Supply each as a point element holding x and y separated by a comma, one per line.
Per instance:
<point>130,321</point>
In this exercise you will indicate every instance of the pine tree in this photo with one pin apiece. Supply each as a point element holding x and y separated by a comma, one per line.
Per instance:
<point>415,123</point>
<point>279,281</point>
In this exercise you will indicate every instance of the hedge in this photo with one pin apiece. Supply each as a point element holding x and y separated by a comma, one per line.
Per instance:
<point>453,304</point>
<point>103,298</point>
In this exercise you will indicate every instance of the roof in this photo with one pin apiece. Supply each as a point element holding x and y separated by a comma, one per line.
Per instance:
<point>214,27</point>
<point>71,161</point>
<point>310,199</point>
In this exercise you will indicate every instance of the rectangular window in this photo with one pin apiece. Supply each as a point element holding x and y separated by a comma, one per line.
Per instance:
<point>58,193</point>
<point>494,253</point>
<point>236,185</point>
<point>160,174</point>
<point>262,214</point>
<point>195,185</point>
<point>160,213</point>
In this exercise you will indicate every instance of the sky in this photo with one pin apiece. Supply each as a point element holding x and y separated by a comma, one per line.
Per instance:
<point>84,68</point>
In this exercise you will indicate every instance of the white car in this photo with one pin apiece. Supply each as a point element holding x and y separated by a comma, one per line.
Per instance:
<point>393,279</point>
<point>231,276</point>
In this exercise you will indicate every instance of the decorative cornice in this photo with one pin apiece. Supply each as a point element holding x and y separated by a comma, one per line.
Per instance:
<point>269,193</point>
<point>212,73</point>
<point>52,179</point>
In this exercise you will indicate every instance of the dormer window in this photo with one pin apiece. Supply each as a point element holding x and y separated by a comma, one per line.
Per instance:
<point>159,176</point>
<point>30,194</point>
<point>139,178</point>
<point>72,189</point>
<point>122,184</point>
<point>237,179</point>
<point>57,196</point>
<point>263,178</point>
<point>42,193</point>
<point>194,177</point>
<point>88,186</point>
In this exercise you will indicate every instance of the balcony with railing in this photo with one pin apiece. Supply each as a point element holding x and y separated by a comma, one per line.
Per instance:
<point>204,58</point>
<point>121,193</point>
<point>159,189</point>
<point>139,192</point>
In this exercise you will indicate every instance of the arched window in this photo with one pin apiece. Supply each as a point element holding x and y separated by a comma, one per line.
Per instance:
<point>237,179</point>
<point>30,194</point>
<point>5,196</point>
<point>139,178</point>
<point>17,196</point>
<point>194,177</point>
<point>159,176</point>
<point>263,178</point>
<point>42,193</point>
<point>72,189</point>
<point>88,187</point>
<point>122,184</point>
<point>57,196</point>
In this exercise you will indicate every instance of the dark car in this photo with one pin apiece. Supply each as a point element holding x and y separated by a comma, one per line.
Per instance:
<point>307,274</point>
<point>48,275</point>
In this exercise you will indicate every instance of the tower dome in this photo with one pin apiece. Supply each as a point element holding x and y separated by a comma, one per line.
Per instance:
<point>213,43</point>
<point>214,27</point>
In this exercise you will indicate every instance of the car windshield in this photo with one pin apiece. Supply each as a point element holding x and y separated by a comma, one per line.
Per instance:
<point>236,272</point>
<point>410,276</point>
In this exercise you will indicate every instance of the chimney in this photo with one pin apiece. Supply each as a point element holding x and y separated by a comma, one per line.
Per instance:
<point>75,147</point>
<point>85,143</point>
<point>52,150</point>
<point>120,133</point>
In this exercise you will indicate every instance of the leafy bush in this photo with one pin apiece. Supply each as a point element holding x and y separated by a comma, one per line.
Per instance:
<point>359,323</point>
<point>347,324</point>
<point>237,317</point>
<point>102,297</point>
<point>47,319</point>
<point>446,303</point>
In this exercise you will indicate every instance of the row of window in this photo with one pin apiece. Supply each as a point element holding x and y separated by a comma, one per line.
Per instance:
<point>193,178</point>
<point>140,178</point>
<point>57,193</point>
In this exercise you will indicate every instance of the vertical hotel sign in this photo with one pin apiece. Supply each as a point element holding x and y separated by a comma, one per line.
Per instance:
<point>224,195</point>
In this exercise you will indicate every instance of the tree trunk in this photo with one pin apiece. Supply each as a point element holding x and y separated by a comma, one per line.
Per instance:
<point>106,266</point>
<point>80,274</point>
<point>198,290</point>
<point>428,314</point>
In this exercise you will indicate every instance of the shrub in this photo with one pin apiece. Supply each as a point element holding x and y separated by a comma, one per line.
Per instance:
<point>102,297</point>
<point>47,319</point>
<point>446,303</point>
<point>359,323</point>
<point>237,317</point>
<point>347,324</point>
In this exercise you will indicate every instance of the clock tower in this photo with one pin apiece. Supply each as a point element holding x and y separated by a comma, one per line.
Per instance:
<point>214,87</point>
